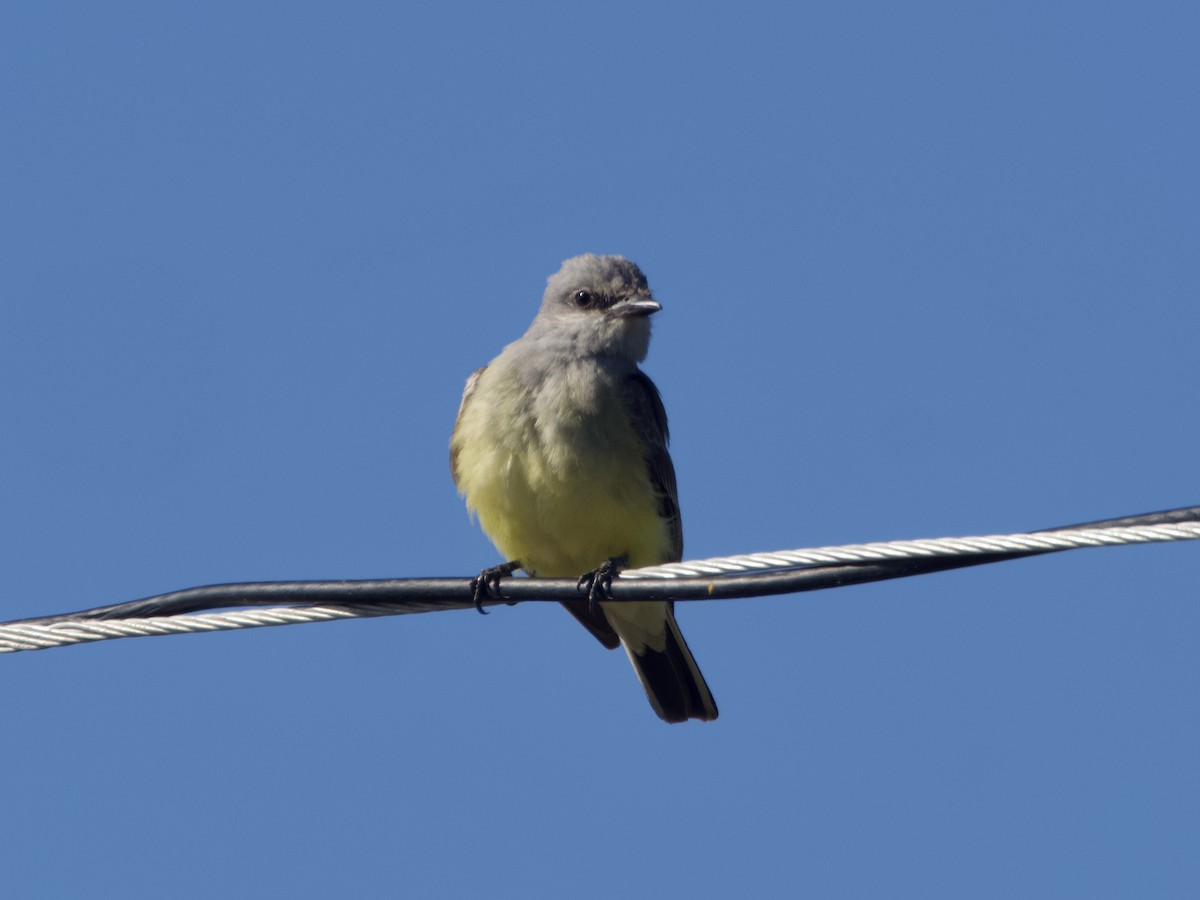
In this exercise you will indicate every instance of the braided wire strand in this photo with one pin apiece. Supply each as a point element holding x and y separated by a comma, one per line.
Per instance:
<point>922,549</point>
<point>31,636</point>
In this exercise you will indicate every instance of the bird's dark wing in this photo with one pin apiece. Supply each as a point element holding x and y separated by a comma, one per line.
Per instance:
<point>593,621</point>
<point>649,419</point>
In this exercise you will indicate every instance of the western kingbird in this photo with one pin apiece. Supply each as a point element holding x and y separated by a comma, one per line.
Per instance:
<point>560,449</point>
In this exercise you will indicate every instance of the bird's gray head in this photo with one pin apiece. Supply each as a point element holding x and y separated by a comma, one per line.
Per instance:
<point>601,304</point>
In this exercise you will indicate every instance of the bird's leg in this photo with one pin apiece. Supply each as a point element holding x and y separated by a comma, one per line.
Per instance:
<point>487,583</point>
<point>598,583</point>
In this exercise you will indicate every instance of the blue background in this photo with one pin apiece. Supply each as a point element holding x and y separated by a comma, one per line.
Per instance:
<point>927,269</point>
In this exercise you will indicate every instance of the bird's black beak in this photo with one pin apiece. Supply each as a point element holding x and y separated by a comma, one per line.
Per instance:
<point>635,306</point>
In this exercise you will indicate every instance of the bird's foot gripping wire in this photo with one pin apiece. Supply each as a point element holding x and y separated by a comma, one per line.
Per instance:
<point>486,584</point>
<point>598,583</point>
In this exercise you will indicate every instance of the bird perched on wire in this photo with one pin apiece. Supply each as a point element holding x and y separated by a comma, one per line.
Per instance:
<point>560,449</point>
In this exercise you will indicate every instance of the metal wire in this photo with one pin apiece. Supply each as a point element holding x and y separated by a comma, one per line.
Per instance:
<point>756,574</point>
<point>32,636</point>
<point>1044,541</point>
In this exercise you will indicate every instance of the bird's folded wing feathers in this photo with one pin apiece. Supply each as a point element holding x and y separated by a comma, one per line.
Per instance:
<point>649,419</point>
<point>462,404</point>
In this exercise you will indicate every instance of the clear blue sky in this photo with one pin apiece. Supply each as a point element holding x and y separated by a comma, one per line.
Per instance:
<point>927,269</point>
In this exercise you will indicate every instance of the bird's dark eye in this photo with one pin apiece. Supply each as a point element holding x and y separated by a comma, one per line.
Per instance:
<point>583,299</point>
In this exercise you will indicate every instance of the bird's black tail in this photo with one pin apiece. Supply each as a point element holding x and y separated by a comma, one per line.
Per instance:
<point>673,683</point>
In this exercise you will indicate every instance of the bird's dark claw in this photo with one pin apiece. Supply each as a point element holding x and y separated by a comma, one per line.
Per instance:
<point>486,584</point>
<point>598,583</point>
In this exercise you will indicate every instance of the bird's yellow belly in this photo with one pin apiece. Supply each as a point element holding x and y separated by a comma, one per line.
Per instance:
<point>561,512</point>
